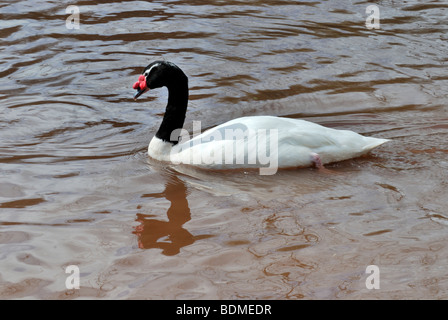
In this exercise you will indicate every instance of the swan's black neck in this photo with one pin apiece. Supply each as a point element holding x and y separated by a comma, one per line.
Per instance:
<point>176,110</point>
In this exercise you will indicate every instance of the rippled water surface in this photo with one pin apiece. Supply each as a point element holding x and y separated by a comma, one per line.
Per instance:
<point>77,188</point>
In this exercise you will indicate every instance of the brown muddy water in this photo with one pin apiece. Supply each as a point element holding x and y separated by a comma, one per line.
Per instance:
<point>77,188</point>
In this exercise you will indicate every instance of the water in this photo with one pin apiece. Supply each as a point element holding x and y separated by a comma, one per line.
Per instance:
<point>76,186</point>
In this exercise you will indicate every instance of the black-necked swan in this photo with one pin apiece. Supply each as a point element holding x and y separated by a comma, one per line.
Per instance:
<point>265,142</point>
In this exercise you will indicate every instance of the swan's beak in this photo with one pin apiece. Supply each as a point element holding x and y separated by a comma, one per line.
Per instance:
<point>140,86</point>
<point>140,92</point>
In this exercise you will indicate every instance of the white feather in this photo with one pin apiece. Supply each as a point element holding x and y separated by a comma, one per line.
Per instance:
<point>267,141</point>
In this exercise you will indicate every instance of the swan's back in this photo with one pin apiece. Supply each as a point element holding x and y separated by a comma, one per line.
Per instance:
<point>250,141</point>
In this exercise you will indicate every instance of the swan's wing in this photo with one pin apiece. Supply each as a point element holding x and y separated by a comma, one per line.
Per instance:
<point>253,141</point>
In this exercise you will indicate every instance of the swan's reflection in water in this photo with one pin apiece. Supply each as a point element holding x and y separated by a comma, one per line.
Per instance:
<point>170,236</point>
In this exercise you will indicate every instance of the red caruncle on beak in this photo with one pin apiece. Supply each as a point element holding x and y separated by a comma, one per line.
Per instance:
<point>141,83</point>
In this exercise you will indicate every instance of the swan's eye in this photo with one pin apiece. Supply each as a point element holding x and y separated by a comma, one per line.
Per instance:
<point>147,72</point>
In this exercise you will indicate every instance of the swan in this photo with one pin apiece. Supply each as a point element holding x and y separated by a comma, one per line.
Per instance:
<point>264,142</point>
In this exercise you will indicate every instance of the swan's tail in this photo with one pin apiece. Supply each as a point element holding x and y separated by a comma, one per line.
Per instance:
<point>372,143</point>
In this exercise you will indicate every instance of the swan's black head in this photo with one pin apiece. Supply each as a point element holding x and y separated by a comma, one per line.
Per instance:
<point>159,74</point>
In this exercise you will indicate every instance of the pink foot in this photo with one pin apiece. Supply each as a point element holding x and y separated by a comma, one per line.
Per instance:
<point>315,158</point>
<point>317,161</point>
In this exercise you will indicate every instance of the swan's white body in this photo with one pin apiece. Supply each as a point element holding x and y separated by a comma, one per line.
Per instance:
<point>264,141</point>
